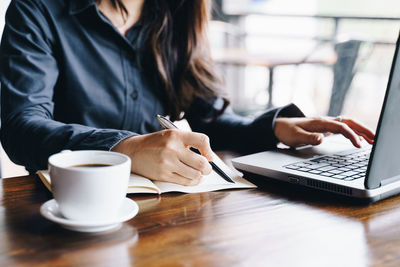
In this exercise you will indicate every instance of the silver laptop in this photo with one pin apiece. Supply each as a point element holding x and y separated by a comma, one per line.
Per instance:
<point>372,172</point>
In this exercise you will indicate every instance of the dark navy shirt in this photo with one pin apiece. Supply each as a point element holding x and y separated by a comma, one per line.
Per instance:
<point>70,80</point>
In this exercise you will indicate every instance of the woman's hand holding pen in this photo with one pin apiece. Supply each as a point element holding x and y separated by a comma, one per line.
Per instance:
<point>166,156</point>
<point>309,131</point>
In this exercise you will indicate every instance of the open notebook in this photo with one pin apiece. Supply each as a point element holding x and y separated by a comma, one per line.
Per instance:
<point>211,182</point>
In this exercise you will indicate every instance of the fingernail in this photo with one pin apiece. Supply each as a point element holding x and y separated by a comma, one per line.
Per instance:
<point>318,139</point>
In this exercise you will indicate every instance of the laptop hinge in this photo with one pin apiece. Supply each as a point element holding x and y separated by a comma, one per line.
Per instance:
<point>390,180</point>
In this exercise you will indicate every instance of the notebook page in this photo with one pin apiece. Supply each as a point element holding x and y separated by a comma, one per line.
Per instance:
<point>45,178</point>
<point>211,182</point>
<point>140,184</point>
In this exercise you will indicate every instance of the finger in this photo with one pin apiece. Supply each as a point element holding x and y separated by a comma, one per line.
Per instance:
<point>304,137</point>
<point>357,126</point>
<point>363,136</point>
<point>360,129</point>
<point>324,125</point>
<point>195,161</point>
<point>188,172</point>
<point>199,141</point>
<point>179,179</point>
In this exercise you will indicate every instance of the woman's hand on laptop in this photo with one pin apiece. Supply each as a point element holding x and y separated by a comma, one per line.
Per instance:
<point>310,131</point>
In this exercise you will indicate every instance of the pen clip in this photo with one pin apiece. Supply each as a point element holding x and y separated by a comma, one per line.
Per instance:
<point>165,123</point>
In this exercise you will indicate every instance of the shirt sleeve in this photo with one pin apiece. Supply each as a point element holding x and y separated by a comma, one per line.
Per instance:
<point>28,73</point>
<point>233,132</point>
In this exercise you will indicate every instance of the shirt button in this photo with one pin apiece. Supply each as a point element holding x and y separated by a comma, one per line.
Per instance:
<point>134,94</point>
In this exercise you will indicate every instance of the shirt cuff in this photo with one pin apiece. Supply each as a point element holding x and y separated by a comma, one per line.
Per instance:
<point>121,137</point>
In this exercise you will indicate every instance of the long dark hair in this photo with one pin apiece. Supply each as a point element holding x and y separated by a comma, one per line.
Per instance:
<point>175,45</point>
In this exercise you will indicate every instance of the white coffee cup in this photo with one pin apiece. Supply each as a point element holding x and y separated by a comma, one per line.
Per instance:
<point>88,193</point>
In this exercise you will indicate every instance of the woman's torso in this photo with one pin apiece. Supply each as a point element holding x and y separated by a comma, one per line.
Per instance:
<point>99,82</point>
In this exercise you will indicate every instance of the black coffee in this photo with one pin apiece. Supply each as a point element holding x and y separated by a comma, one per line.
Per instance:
<point>91,165</point>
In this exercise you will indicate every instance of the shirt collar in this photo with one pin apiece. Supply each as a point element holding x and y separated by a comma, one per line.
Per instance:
<point>77,6</point>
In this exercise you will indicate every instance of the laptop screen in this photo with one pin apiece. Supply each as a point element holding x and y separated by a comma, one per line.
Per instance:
<point>385,156</point>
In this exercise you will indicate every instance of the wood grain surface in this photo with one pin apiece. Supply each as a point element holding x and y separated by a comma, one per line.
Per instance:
<point>274,225</point>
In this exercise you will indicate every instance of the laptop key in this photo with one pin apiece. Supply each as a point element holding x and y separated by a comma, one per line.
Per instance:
<point>317,165</point>
<point>350,173</point>
<point>344,169</point>
<point>292,167</point>
<point>352,167</point>
<point>302,164</point>
<point>361,164</point>
<point>338,176</point>
<point>338,165</point>
<point>326,174</point>
<point>335,171</point>
<point>327,168</point>
<point>304,169</point>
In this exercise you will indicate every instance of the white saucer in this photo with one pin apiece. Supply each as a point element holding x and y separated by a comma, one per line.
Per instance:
<point>50,211</point>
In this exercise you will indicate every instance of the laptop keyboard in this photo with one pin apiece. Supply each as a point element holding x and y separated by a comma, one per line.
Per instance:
<point>346,167</point>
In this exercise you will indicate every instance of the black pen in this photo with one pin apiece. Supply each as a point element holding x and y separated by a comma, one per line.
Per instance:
<point>167,124</point>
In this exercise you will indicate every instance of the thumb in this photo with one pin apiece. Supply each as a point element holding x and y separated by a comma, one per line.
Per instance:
<point>200,143</point>
<point>307,138</point>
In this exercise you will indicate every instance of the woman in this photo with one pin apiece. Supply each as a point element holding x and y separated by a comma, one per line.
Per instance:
<point>85,74</point>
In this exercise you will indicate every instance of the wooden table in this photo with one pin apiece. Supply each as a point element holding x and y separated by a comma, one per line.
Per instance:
<point>274,225</point>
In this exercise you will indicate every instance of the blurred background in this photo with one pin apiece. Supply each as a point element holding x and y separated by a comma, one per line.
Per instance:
<point>328,57</point>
